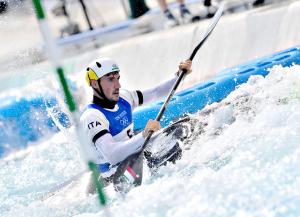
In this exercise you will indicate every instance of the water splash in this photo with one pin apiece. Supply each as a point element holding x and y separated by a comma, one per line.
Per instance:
<point>242,160</point>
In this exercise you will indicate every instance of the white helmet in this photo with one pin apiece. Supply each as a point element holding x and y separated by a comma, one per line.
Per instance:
<point>100,67</point>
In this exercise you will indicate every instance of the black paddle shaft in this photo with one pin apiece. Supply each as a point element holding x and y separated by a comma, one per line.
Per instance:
<point>131,159</point>
<point>182,72</point>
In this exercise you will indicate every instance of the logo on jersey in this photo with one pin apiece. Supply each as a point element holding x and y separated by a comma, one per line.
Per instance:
<point>123,119</point>
<point>93,124</point>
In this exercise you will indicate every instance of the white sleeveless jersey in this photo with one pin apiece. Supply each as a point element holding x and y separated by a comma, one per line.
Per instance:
<point>97,122</point>
<point>110,131</point>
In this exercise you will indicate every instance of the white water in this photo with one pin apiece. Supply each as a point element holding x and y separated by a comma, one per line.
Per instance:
<point>245,164</point>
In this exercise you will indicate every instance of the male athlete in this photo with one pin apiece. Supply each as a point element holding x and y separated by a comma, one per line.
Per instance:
<point>107,121</point>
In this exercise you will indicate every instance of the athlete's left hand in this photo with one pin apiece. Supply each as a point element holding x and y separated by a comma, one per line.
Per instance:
<point>187,65</point>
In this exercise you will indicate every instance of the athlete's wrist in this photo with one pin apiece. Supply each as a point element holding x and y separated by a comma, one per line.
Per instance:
<point>144,134</point>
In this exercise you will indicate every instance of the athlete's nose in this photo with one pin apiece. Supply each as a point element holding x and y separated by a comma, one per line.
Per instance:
<point>117,83</point>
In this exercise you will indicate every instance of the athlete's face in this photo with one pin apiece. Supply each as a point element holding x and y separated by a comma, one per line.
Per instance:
<point>110,84</point>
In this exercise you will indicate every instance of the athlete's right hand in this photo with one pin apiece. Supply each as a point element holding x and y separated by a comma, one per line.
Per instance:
<point>152,125</point>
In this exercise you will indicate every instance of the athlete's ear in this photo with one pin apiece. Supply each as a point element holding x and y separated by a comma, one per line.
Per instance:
<point>94,83</point>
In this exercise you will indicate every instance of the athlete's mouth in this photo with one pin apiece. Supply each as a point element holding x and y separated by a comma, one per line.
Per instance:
<point>117,92</point>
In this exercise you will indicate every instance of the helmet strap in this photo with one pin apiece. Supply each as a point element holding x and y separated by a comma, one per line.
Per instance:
<point>103,101</point>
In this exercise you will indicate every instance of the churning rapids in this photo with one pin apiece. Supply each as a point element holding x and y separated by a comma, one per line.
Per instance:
<point>242,159</point>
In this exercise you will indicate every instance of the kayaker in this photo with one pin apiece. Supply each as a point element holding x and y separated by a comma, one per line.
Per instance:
<point>107,121</point>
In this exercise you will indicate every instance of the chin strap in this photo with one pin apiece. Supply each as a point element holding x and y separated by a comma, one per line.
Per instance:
<point>107,103</point>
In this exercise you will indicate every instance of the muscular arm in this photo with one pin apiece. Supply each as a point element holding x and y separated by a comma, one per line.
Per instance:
<point>137,98</point>
<point>164,88</point>
<point>152,94</point>
<point>101,142</point>
<point>116,152</point>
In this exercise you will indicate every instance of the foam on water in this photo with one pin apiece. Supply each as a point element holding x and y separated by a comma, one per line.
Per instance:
<point>243,160</point>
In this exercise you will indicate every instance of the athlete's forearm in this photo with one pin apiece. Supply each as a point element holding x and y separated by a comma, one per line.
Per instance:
<point>116,152</point>
<point>159,91</point>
